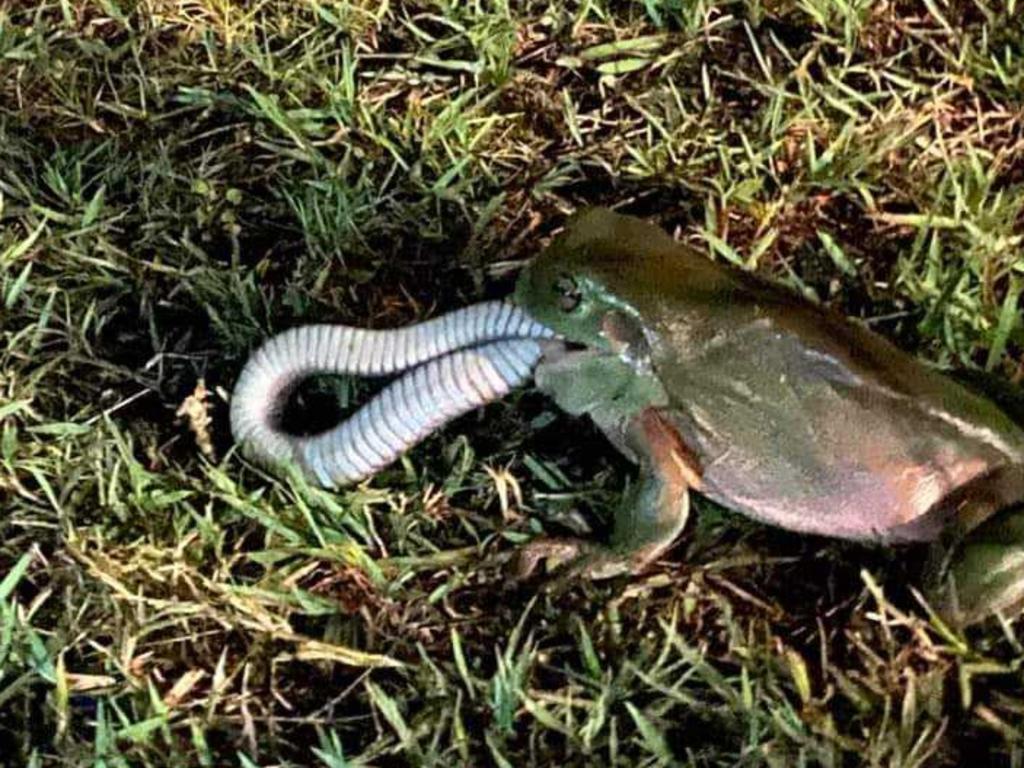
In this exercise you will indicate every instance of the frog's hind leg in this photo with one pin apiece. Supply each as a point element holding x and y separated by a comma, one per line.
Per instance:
<point>652,514</point>
<point>983,573</point>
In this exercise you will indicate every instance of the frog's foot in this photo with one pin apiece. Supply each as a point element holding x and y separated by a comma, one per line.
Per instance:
<point>574,558</point>
<point>981,575</point>
<point>649,519</point>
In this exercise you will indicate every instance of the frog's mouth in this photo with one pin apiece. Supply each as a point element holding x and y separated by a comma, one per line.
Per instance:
<point>558,350</point>
<point>450,365</point>
<point>621,338</point>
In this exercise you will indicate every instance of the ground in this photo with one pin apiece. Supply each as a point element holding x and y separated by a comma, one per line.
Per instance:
<point>181,178</point>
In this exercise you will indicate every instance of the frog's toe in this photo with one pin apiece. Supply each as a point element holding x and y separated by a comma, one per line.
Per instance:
<point>984,574</point>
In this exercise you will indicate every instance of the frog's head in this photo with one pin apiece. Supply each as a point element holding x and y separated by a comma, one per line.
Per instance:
<point>591,286</point>
<point>559,291</point>
<point>588,284</point>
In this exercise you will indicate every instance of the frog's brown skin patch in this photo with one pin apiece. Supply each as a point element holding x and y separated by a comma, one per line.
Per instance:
<point>627,341</point>
<point>675,461</point>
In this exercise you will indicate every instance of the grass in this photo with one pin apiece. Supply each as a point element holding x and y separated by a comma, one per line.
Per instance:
<point>180,179</point>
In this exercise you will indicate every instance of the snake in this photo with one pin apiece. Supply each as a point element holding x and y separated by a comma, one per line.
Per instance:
<point>449,365</point>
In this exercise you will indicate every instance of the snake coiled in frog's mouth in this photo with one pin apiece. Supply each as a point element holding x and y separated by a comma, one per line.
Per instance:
<point>450,365</point>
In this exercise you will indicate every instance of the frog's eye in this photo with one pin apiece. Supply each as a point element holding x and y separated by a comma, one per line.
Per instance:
<point>569,296</point>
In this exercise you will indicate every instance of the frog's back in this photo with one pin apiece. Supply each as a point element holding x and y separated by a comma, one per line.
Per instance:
<point>800,417</point>
<point>791,434</point>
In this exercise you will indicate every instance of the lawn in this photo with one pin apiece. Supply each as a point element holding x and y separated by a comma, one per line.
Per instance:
<point>179,179</point>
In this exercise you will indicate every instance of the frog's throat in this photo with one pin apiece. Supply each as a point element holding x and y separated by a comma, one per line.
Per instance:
<point>600,385</point>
